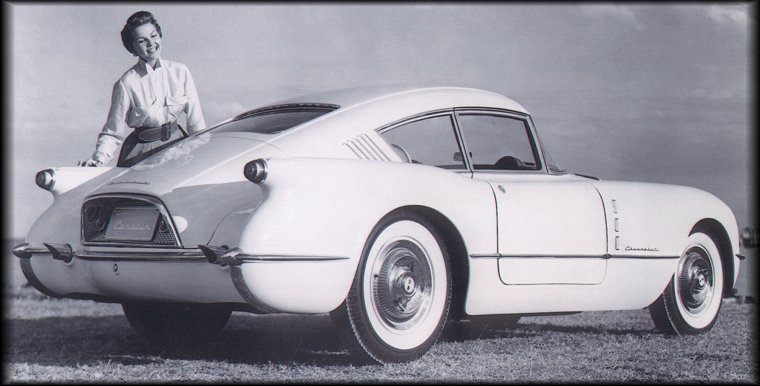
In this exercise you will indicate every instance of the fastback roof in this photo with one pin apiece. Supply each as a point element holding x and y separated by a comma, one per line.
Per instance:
<point>365,110</point>
<point>352,96</point>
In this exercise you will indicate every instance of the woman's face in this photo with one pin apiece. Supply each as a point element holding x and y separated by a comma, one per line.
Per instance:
<point>147,43</point>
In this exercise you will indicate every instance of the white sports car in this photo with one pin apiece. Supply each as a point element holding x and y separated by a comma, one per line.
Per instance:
<point>394,210</point>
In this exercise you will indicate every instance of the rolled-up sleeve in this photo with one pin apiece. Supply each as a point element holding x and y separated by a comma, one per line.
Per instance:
<point>113,133</point>
<point>195,120</point>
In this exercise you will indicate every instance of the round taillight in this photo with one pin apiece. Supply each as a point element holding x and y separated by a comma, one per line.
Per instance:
<point>256,171</point>
<point>45,179</point>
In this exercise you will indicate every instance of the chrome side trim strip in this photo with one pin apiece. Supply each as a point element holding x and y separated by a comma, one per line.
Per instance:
<point>660,257</point>
<point>299,258</point>
<point>25,251</point>
<point>484,256</point>
<point>605,256</point>
<point>183,255</point>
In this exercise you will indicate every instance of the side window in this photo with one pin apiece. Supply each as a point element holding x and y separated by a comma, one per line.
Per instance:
<point>429,141</point>
<point>498,142</point>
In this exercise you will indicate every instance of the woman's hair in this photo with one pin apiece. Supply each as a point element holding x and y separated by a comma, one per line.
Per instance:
<point>137,19</point>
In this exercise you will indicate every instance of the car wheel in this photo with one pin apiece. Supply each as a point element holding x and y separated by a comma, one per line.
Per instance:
<point>400,298</point>
<point>690,303</point>
<point>173,323</point>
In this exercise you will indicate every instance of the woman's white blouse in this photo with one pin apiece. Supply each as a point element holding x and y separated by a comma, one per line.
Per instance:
<point>144,96</point>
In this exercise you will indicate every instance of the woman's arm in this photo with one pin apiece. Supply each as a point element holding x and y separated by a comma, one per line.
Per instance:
<point>112,135</point>
<point>195,120</point>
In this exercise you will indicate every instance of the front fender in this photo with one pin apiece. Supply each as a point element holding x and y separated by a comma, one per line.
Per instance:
<point>655,219</point>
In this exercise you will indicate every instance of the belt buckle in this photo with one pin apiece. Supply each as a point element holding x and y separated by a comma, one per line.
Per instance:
<point>166,131</point>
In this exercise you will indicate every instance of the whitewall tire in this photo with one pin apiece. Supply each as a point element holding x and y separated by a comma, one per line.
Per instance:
<point>691,302</point>
<point>400,298</point>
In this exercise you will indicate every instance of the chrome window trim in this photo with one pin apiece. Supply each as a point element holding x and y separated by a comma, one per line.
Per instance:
<point>269,109</point>
<point>427,115</point>
<point>541,149</point>
<point>532,137</point>
<point>286,107</point>
<point>412,118</point>
<point>462,143</point>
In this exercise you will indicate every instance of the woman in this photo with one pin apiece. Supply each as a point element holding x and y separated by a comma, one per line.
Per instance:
<point>147,100</point>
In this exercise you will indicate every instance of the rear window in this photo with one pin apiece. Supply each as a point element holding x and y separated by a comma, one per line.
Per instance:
<point>275,119</point>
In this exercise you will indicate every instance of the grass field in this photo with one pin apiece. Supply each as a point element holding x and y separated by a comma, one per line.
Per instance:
<point>50,340</point>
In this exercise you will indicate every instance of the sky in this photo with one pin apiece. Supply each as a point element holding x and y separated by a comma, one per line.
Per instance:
<point>638,92</point>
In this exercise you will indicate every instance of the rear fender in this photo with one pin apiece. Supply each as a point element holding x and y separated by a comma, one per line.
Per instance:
<point>326,208</point>
<point>71,186</point>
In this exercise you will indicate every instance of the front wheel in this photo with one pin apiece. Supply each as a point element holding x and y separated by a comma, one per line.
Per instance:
<point>400,298</point>
<point>690,303</point>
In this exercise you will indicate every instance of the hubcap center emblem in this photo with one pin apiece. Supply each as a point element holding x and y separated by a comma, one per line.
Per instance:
<point>409,284</point>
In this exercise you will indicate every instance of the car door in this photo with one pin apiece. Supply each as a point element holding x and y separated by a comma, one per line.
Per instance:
<point>551,228</point>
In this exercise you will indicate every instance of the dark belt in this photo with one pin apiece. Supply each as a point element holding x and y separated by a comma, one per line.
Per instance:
<point>152,134</point>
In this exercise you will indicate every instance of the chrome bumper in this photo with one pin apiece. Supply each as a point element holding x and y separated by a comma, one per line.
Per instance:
<point>230,260</point>
<point>65,253</point>
<point>220,255</point>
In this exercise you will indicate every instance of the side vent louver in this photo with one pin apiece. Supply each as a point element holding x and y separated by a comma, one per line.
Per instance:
<point>365,148</point>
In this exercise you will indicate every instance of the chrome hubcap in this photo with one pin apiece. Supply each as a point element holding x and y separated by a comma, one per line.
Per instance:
<point>402,284</point>
<point>695,281</point>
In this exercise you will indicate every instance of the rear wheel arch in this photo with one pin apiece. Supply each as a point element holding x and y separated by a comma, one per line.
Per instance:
<point>457,251</point>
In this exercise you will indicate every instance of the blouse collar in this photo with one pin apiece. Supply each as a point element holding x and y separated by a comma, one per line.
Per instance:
<point>146,68</point>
